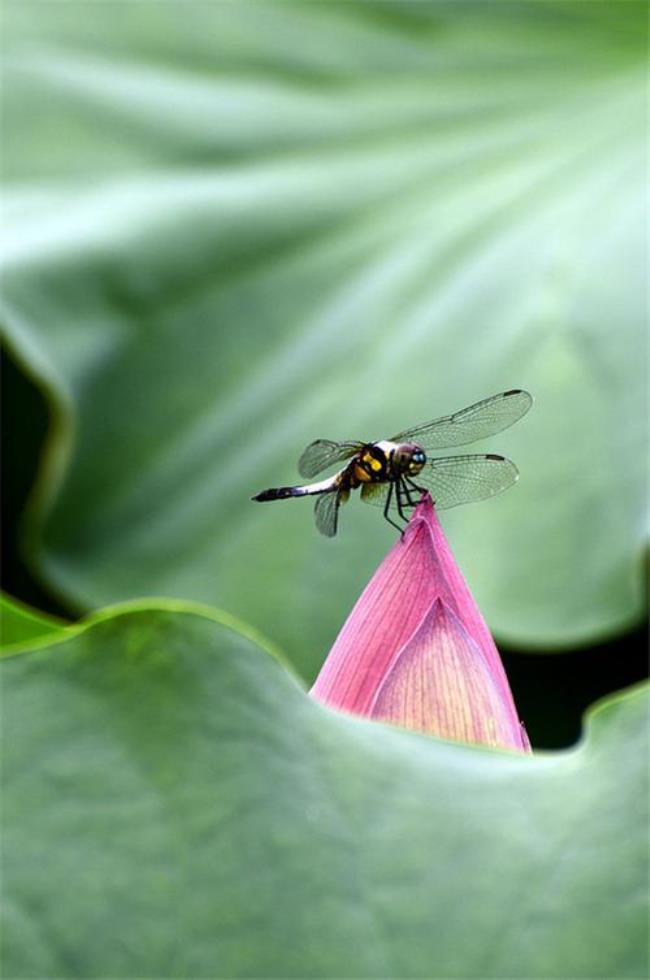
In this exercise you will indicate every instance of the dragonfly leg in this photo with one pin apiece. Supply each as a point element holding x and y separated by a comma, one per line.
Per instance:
<point>407,486</point>
<point>389,497</point>
<point>399,489</point>
<point>413,485</point>
<point>400,505</point>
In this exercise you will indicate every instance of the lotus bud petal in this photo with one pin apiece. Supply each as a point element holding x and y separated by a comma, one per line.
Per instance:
<point>415,650</point>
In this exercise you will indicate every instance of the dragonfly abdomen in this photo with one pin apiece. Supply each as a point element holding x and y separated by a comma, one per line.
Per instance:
<point>280,493</point>
<point>277,493</point>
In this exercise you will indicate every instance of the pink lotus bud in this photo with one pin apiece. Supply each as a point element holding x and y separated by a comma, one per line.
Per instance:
<point>415,650</point>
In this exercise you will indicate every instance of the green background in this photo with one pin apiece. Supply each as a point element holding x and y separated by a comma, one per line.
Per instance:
<point>238,227</point>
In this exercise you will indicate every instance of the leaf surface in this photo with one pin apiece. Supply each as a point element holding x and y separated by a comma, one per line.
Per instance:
<point>22,624</point>
<point>237,228</point>
<point>176,805</point>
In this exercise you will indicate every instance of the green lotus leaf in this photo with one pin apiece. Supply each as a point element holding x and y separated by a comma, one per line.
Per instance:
<point>20,624</point>
<point>235,228</point>
<point>176,805</point>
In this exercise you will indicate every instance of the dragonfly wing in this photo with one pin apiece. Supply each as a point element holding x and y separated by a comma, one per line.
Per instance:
<point>326,513</point>
<point>454,480</point>
<point>323,453</point>
<point>375,493</point>
<point>479,421</point>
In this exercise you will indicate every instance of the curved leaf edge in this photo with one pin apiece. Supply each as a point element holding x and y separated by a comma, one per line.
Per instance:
<point>54,457</point>
<point>34,621</point>
<point>575,642</point>
<point>148,605</point>
<point>592,719</point>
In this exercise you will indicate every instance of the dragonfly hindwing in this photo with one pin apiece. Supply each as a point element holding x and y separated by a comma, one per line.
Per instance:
<point>322,453</point>
<point>326,512</point>
<point>454,480</point>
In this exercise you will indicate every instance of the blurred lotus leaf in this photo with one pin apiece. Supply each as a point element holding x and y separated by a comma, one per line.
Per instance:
<point>238,227</point>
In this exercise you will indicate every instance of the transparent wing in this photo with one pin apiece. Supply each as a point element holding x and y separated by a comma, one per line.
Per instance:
<point>326,513</point>
<point>375,493</point>
<point>455,480</point>
<point>323,453</point>
<point>483,419</point>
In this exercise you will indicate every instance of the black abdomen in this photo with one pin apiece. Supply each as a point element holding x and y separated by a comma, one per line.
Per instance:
<point>278,493</point>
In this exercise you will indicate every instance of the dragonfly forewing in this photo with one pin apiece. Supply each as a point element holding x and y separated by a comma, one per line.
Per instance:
<point>483,419</point>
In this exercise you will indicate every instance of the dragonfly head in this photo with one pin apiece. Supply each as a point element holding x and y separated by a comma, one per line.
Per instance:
<point>411,458</point>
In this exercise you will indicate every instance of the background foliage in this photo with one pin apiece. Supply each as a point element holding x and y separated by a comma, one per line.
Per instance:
<point>233,228</point>
<point>237,231</point>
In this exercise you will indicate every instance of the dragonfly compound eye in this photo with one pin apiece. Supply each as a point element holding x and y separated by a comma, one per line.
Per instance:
<point>417,461</point>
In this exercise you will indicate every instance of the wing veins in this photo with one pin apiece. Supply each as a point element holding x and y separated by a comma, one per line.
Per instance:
<point>326,513</point>
<point>323,453</point>
<point>454,480</point>
<point>484,418</point>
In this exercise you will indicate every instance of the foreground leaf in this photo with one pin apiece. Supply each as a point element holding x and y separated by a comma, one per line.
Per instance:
<point>261,224</point>
<point>176,805</point>
<point>21,624</point>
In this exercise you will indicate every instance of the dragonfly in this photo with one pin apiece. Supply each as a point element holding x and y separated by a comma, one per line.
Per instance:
<point>394,473</point>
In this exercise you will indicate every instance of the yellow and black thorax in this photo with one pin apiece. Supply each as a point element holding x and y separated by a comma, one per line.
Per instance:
<point>372,464</point>
<point>379,462</point>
